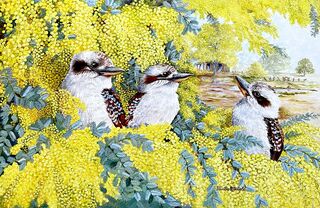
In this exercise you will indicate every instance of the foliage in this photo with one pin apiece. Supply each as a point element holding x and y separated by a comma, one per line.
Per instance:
<point>298,151</point>
<point>132,76</point>
<point>251,20</point>
<point>215,43</point>
<point>307,154</point>
<point>28,97</point>
<point>184,127</point>
<point>140,166</point>
<point>185,16</point>
<point>293,151</point>
<point>57,175</point>
<point>260,202</point>
<point>213,197</point>
<point>171,52</point>
<point>290,166</point>
<point>170,179</point>
<point>112,202</point>
<point>11,129</point>
<point>132,184</point>
<point>304,67</point>
<point>109,5</point>
<point>228,146</point>
<point>276,50</point>
<point>299,118</point>
<point>276,63</point>
<point>256,70</point>
<point>315,25</point>
<point>61,123</point>
<point>186,160</point>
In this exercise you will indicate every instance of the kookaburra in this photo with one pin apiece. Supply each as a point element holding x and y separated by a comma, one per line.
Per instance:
<point>258,114</point>
<point>157,100</point>
<point>89,79</point>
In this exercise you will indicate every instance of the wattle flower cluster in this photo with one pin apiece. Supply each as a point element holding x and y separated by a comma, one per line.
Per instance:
<point>38,40</point>
<point>66,174</point>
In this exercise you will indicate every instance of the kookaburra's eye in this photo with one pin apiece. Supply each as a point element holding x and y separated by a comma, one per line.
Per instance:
<point>256,94</point>
<point>167,73</point>
<point>94,64</point>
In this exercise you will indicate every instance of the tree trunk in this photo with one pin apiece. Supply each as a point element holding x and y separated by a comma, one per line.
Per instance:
<point>212,67</point>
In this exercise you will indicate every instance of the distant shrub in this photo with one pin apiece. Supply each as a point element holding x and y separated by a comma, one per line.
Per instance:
<point>256,70</point>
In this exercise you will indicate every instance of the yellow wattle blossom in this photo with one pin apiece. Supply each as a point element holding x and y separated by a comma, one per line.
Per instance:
<point>62,101</point>
<point>2,95</point>
<point>240,18</point>
<point>58,101</point>
<point>166,169</point>
<point>136,41</point>
<point>270,181</point>
<point>45,44</point>
<point>264,173</point>
<point>80,149</point>
<point>306,136</point>
<point>27,116</point>
<point>42,37</point>
<point>188,91</point>
<point>218,118</point>
<point>65,175</point>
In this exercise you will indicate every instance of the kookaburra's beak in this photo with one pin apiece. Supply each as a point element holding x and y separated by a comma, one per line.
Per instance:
<point>179,77</point>
<point>243,86</point>
<point>109,71</point>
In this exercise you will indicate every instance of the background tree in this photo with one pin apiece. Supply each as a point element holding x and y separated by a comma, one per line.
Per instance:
<point>276,63</point>
<point>253,24</point>
<point>304,67</point>
<point>256,70</point>
<point>215,43</point>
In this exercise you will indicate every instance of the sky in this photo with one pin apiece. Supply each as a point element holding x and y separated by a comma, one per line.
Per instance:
<point>297,40</point>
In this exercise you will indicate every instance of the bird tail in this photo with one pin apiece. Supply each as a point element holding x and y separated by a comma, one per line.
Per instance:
<point>275,155</point>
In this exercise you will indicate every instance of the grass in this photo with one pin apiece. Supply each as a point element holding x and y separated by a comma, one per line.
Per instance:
<point>282,94</point>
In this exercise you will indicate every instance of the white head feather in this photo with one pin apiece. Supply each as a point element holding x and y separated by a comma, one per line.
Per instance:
<point>261,97</point>
<point>89,74</point>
